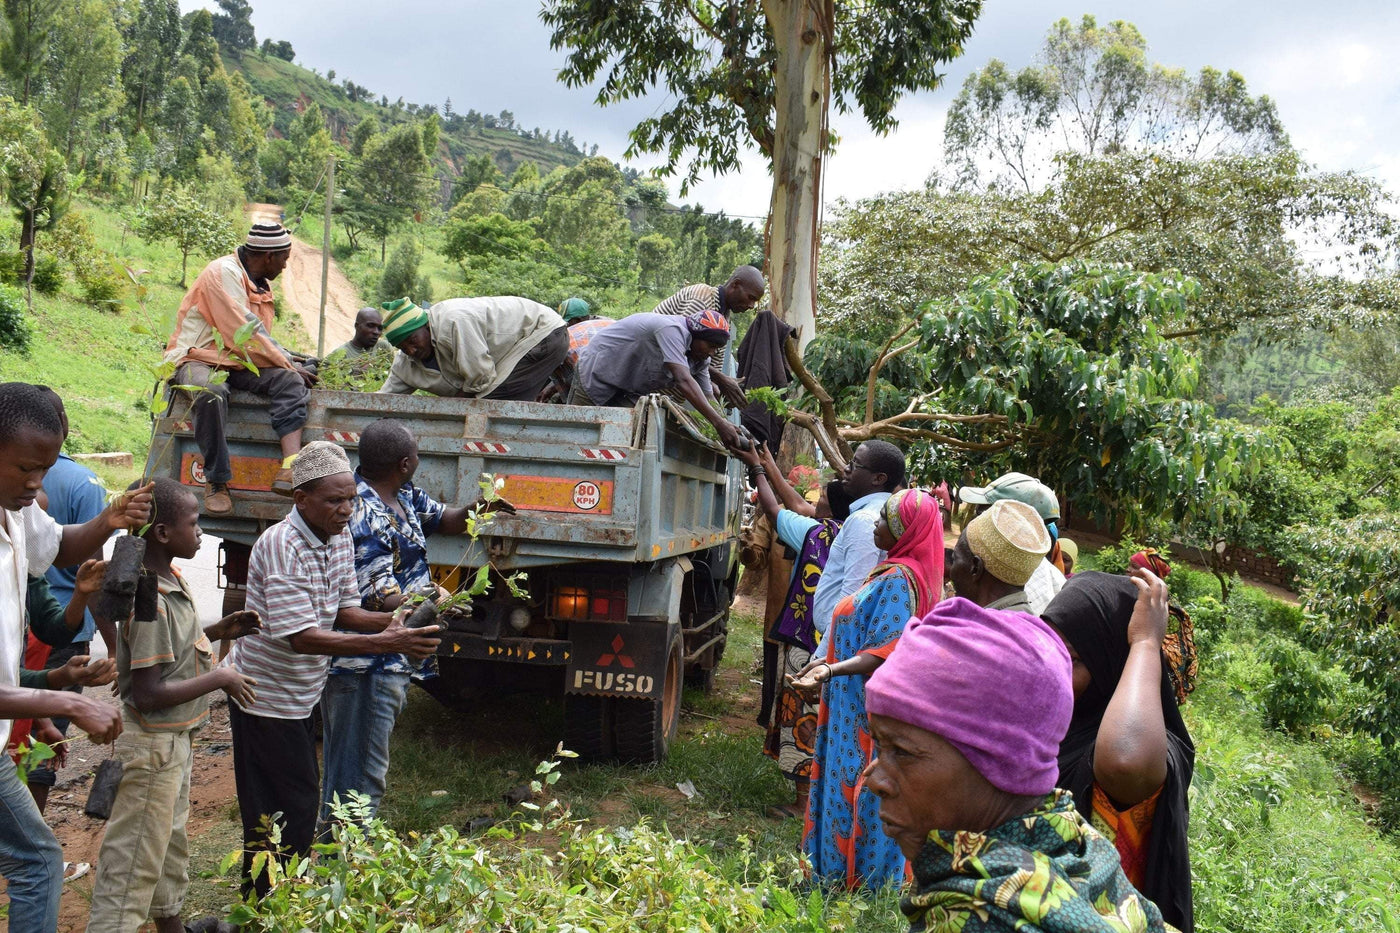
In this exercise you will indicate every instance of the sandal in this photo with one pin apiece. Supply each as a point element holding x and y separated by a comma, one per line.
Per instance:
<point>784,811</point>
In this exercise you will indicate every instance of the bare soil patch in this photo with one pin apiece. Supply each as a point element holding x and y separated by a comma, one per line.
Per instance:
<point>300,285</point>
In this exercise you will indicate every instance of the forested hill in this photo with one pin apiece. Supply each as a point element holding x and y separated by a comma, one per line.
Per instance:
<point>289,89</point>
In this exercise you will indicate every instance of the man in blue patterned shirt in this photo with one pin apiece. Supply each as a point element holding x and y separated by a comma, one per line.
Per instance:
<point>390,525</point>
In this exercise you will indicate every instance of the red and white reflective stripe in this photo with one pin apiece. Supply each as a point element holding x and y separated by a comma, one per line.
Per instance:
<point>182,426</point>
<point>343,437</point>
<point>602,453</point>
<point>485,447</point>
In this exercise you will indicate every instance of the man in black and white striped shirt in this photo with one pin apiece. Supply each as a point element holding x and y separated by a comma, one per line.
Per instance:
<point>743,290</point>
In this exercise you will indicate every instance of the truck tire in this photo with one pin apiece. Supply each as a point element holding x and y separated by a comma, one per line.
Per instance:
<point>588,726</point>
<point>645,728</point>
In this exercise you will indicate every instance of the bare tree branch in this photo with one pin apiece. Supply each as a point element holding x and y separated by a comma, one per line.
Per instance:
<point>884,429</point>
<point>880,361</point>
<point>830,446</point>
<point>825,402</point>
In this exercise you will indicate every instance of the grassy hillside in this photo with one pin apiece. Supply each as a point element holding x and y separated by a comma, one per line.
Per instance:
<point>289,88</point>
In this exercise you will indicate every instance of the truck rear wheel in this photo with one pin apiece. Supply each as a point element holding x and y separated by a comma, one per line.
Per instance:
<point>588,726</point>
<point>645,729</point>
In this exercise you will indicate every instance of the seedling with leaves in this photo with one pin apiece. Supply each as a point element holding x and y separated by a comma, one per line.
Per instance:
<point>237,356</point>
<point>428,606</point>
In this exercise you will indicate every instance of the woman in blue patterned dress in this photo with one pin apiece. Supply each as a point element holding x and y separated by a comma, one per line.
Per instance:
<point>842,836</point>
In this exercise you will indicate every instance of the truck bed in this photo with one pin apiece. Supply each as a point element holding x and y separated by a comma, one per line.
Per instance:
<point>591,483</point>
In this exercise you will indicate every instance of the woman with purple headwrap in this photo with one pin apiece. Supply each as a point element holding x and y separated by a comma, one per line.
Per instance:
<point>968,712</point>
<point>841,836</point>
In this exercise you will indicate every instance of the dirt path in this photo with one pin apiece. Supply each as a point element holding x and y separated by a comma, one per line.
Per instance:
<point>300,285</point>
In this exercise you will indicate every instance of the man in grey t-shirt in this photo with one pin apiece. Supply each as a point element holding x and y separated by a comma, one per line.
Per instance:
<point>652,352</point>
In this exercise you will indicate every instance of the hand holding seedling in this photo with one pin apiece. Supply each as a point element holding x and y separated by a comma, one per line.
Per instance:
<point>101,722</point>
<point>417,643</point>
<point>45,731</point>
<point>130,510</point>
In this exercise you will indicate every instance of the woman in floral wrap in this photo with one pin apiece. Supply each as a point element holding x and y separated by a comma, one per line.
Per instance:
<point>841,836</point>
<point>967,715</point>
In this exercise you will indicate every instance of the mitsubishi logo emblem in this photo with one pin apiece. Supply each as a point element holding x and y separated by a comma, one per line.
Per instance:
<point>606,659</point>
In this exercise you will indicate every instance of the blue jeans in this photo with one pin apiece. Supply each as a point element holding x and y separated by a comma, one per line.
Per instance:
<point>30,857</point>
<point>359,711</point>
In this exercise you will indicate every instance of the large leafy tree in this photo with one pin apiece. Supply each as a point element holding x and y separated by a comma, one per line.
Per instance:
<point>153,44</point>
<point>389,183</point>
<point>762,74</point>
<point>580,214</point>
<point>28,29</point>
<point>83,87</point>
<point>1095,92</point>
<point>233,26</point>
<point>1274,243</point>
<point>190,224</point>
<point>1056,370</point>
<point>34,176</point>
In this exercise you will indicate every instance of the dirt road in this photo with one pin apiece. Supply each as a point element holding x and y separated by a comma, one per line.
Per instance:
<point>300,285</point>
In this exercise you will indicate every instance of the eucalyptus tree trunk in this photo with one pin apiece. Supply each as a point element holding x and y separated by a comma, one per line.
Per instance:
<point>802,33</point>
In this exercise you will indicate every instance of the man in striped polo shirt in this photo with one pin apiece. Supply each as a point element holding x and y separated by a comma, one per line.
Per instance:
<point>301,581</point>
<point>743,290</point>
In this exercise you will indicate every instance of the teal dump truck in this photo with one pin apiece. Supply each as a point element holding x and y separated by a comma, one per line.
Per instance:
<point>626,531</point>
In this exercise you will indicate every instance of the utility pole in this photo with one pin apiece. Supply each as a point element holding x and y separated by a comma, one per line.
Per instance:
<point>326,255</point>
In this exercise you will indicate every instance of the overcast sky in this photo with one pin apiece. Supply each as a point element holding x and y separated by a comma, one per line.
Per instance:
<point>1326,65</point>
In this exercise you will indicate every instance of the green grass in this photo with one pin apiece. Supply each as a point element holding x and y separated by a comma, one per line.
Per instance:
<point>91,357</point>
<point>1279,842</point>
<point>505,739</point>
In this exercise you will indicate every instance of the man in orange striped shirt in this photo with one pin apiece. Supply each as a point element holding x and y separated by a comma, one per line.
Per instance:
<point>231,292</point>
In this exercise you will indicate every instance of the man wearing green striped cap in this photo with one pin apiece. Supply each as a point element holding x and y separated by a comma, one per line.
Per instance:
<point>497,347</point>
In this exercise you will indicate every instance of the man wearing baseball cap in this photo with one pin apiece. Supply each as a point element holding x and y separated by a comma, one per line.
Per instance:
<point>1018,487</point>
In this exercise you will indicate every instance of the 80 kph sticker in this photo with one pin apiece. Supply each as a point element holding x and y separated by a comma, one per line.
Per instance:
<point>587,495</point>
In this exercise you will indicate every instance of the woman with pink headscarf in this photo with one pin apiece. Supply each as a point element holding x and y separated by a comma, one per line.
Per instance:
<point>842,835</point>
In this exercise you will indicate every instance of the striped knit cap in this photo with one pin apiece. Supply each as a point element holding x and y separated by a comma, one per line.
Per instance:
<point>401,318</point>
<point>269,238</point>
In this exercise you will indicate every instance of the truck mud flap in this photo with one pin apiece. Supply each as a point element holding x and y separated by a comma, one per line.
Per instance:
<point>619,660</point>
